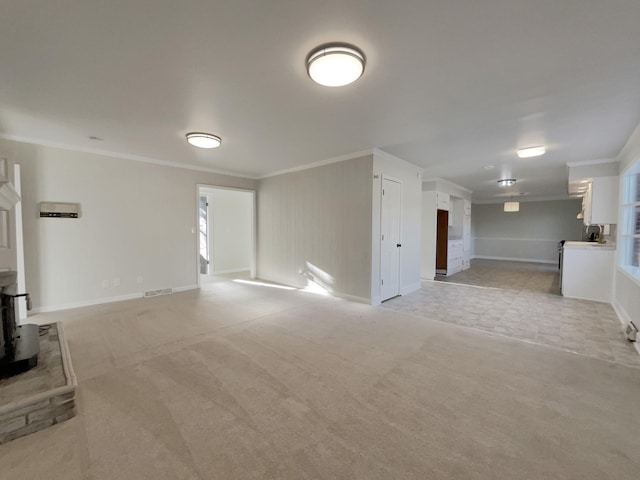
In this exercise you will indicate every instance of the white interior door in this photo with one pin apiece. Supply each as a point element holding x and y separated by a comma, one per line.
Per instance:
<point>390,243</point>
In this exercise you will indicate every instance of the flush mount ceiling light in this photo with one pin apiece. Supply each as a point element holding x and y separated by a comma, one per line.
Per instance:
<point>335,64</point>
<point>203,140</point>
<point>506,182</point>
<point>511,207</point>
<point>532,151</point>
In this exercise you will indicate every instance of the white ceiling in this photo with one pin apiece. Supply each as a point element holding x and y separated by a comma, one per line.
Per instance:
<point>450,86</point>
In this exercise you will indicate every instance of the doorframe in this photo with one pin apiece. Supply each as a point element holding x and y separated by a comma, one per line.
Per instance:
<point>397,180</point>
<point>254,236</point>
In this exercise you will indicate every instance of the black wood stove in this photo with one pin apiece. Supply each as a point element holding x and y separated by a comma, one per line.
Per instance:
<point>19,344</point>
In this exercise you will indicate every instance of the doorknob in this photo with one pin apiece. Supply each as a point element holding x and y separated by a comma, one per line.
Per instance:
<point>398,245</point>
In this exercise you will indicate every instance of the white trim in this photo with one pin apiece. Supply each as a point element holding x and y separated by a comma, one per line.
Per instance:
<point>300,289</point>
<point>320,163</point>
<point>100,301</point>
<point>550,198</point>
<point>413,287</point>
<point>233,270</point>
<point>86,303</point>
<point>624,318</point>
<point>351,298</point>
<point>124,156</point>
<point>185,288</point>
<point>446,182</point>
<point>623,270</point>
<point>518,239</point>
<point>513,259</point>
<point>585,163</point>
<point>388,156</point>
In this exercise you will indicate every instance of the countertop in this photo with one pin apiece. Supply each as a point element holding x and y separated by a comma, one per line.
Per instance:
<point>590,245</point>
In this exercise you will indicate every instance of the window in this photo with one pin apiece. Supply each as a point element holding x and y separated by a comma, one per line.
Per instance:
<point>630,231</point>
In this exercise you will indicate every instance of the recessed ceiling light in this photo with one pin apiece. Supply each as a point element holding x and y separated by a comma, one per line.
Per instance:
<point>335,64</point>
<point>203,140</point>
<point>532,151</point>
<point>489,167</point>
<point>506,182</point>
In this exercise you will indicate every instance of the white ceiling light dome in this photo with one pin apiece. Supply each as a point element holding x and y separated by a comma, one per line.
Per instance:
<point>335,64</point>
<point>203,140</point>
<point>532,151</point>
<point>507,182</point>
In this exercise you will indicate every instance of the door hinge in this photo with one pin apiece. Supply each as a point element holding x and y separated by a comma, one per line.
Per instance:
<point>382,282</point>
<point>383,236</point>
<point>383,191</point>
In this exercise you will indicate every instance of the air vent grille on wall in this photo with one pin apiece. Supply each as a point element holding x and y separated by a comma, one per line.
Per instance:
<point>59,210</point>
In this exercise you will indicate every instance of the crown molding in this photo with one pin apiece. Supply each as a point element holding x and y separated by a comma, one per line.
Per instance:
<point>123,156</point>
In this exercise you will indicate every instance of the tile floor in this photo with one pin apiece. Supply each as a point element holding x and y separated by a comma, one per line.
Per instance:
<point>516,303</point>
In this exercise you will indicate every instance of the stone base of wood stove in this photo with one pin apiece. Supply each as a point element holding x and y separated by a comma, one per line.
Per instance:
<point>43,396</point>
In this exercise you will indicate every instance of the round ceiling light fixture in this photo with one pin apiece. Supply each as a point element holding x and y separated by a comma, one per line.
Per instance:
<point>506,182</point>
<point>203,140</point>
<point>335,64</point>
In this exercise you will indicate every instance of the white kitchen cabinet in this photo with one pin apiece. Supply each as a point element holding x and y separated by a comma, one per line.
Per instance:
<point>444,201</point>
<point>587,271</point>
<point>600,202</point>
<point>467,207</point>
<point>455,256</point>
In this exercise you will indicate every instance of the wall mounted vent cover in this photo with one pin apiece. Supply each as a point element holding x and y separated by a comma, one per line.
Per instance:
<point>59,210</point>
<point>155,293</point>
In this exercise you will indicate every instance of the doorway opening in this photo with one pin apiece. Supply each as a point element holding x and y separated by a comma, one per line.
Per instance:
<point>226,240</point>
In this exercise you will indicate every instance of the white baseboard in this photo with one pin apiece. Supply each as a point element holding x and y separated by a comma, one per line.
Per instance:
<point>407,289</point>
<point>512,259</point>
<point>185,288</point>
<point>345,296</point>
<point>100,301</point>
<point>624,318</point>
<point>352,298</point>
<point>233,270</point>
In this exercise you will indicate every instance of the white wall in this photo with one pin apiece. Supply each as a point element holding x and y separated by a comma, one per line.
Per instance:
<point>410,176</point>
<point>8,255</point>
<point>626,291</point>
<point>137,221</point>
<point>532,234</point>
<point>318,222</point>
<point>231,235</point>
<point>429,227</point>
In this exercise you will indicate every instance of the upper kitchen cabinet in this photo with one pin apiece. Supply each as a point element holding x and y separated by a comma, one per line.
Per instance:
<point>444,201</point>
<point>467,207</point>
<point>601,201</point>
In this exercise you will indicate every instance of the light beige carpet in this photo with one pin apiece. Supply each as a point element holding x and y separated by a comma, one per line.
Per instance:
<point>243,382</point>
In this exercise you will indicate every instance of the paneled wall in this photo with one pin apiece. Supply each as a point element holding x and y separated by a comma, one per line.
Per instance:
<point>315,226</point>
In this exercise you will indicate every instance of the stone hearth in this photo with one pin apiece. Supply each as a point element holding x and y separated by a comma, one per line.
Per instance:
<point>43,396</point>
